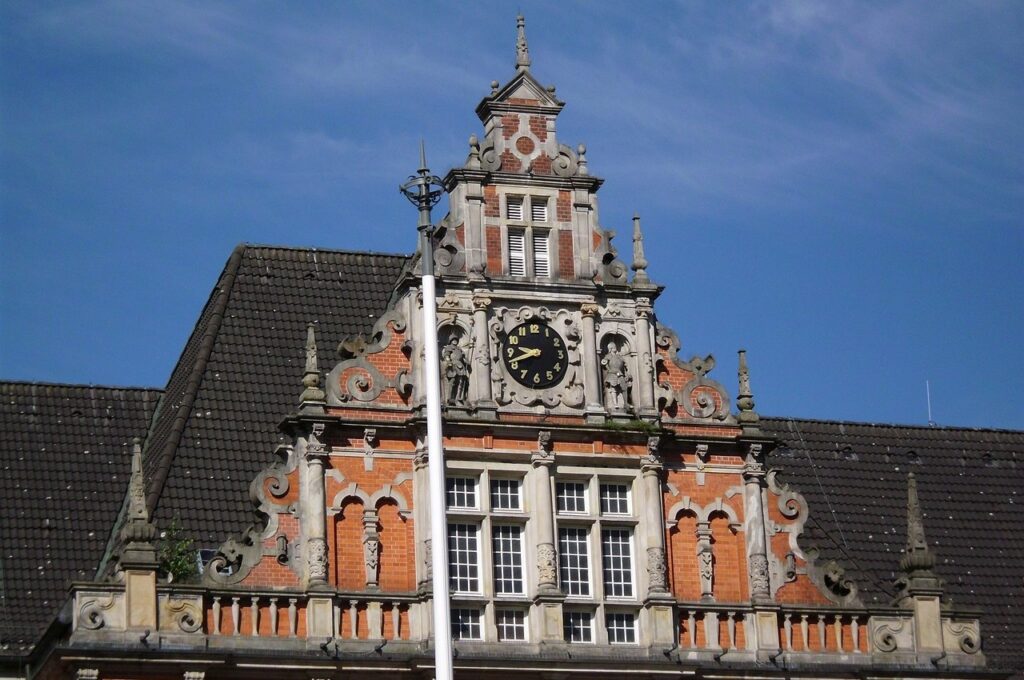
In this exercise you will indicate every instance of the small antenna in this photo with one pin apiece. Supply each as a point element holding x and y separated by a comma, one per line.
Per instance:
<point>928,396</point>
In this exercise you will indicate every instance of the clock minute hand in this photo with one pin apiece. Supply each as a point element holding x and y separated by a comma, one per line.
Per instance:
<point>527,353</point>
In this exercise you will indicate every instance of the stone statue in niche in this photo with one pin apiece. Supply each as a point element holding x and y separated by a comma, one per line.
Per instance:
<point>617,380</point>
<point>455,367</point>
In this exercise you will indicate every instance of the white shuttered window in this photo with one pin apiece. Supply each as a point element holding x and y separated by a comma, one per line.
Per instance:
<point>541,255</point>
<point>538,209</point>
<point>515,208</point>
<point>516,252</point>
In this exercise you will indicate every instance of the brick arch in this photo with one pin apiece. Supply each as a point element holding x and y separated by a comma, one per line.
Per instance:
<point>682,543</point>
<point>348,569</point>
<point>397,560</point>
<point>349,492</point>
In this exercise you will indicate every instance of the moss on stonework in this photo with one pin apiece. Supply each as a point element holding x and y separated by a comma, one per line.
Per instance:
<point>633,426</point>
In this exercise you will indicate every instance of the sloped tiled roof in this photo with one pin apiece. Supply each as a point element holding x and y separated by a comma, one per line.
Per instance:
<point>241,372</point>
<point>65,456</point>
<point>971,486</point>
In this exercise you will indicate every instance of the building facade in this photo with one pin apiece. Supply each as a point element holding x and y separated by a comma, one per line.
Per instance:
<point>608,511</point>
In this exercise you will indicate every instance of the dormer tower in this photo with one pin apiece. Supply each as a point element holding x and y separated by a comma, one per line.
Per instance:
<point>523,205</point>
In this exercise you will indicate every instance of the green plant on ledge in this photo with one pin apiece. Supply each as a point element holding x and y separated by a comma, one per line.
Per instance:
<point>633,426</point>
<point>177,554</point>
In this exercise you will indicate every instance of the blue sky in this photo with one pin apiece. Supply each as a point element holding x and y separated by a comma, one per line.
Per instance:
<point>837,187</point>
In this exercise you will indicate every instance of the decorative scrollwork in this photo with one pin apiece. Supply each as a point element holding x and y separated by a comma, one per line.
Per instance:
<point>364,381</point>
<point>235,558</point>
<point>966,635</point>
<point>564,163</point>
<point>490,159</point>
<point>885,636</point>
<point>92,615</point>
<point>186,614</point>
<point>701,397</point>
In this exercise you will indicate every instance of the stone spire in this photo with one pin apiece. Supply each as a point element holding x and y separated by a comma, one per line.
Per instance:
<point>639,260</point>
<point>745,399</point>
<point>138,532</point>
<point>312,394</point>
<point>917,558</point>
<point>522,49</point>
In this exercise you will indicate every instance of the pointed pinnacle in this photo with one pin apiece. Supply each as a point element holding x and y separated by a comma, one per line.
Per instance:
<point>639,260</point>
<point>745,398</point>
<point>522,49</point>
<point>137,509</point>
<point>918,556</point>
<point>311,378</point>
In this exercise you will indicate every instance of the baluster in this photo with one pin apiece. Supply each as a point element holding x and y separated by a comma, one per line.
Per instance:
<point>293,617</point>
<point>336,617</point>
<point>855,630</point>
<point>821,633</point>
<point>273,616</point>
<point>216,615</point>
<point>839,632</point>
<point>787,624</point>
<point>803,632</point>
<point>353,617</point>
<point>236,613</point>
<point>732,630</point>
<point>396,620</point>
<point>254,608</point>
<point>691,624</point>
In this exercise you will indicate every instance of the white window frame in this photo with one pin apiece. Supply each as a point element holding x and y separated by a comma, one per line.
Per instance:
<point>469,617</point>
<point>583,568</point>
<point>561,485</point>
<point>452,482</point>
<point>499,493</point>
<point>612,619</point>
<point>618,577</point>
<point>501,627</point>
<point>529,242</point>
<point>511,559</point>
<point>628,498</point>
<point>585,624</point>
<point>476,563</point>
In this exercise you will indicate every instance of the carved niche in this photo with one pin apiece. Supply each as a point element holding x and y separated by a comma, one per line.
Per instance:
<point>456,354</point>
<point>568,393</point>
<point>617,375</point>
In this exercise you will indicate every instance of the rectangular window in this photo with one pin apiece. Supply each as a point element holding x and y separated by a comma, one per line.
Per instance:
<point>461,492</point>
<point>515,207</point>
<point>511,624</point>
<point>538,209</point>
<point>463,558</point>
<point>621,628</point>
<point>516,252</point>
<point>577,627</point>
<point>572,496</point>
<point>541,255</point>
<point>466,624</point>
<point>574,561</point>
<point>505,494</point>
<point>614,499</point>
<point>507,546</point>
<point>617,562</point>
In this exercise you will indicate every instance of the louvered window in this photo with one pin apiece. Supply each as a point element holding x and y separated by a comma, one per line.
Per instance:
<point>516,252</point>
<point>541,255</point>
<point>538,209</point>
<point>515,208</point>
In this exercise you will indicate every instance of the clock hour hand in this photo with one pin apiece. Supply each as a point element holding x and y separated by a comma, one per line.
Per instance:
<point>527,353</point>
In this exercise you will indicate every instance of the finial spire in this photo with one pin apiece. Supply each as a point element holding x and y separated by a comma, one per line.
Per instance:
<point>473,161</point>
<point>522,49</point>
<point>137,509</point>
<point>917,558</point>
<point>138,532</point>
<point>745,399</point>
<point>311,378</point>
<point>639,260</point>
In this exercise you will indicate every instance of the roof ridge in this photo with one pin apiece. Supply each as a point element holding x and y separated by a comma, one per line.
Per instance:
<point>338,251</point>
<point>84,386</point>
<point>893,425</point>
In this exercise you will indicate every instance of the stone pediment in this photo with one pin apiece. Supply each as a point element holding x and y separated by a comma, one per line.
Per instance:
<point>522,91</point>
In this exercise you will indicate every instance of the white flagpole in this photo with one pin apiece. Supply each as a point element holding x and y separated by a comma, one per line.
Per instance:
<point>424,199</point>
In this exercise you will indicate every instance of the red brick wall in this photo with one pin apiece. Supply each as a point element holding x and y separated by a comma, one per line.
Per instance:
<point>397,551</point>
<point>566,268</point>
<point>493,238</point>
<point>347,552</point>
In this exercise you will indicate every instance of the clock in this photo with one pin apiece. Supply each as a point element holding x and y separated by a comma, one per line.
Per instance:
<point>535,355</point>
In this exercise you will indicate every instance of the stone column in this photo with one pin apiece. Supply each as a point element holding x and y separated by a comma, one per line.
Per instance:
<point>644,358</point>
<point>705,561</point>
<point>753,524</point>
<point>591,374</point>
<point>480,372</point>
<point>548,598</point>
<point>371,548</point>
<point>313,509</point>
<point>659,604</point>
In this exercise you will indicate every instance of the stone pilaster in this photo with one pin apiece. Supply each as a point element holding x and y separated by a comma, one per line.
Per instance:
<point>754,525</point>
<point>591,372</point>
<point>481,369</point>
<point>548,597</point>
<point>645,359</point>
<point>314,520</point>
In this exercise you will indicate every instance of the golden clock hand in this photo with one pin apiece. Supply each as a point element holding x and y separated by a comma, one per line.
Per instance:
<point>527,353</point>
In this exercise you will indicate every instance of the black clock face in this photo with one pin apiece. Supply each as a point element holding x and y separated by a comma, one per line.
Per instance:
<point>535,355</point>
